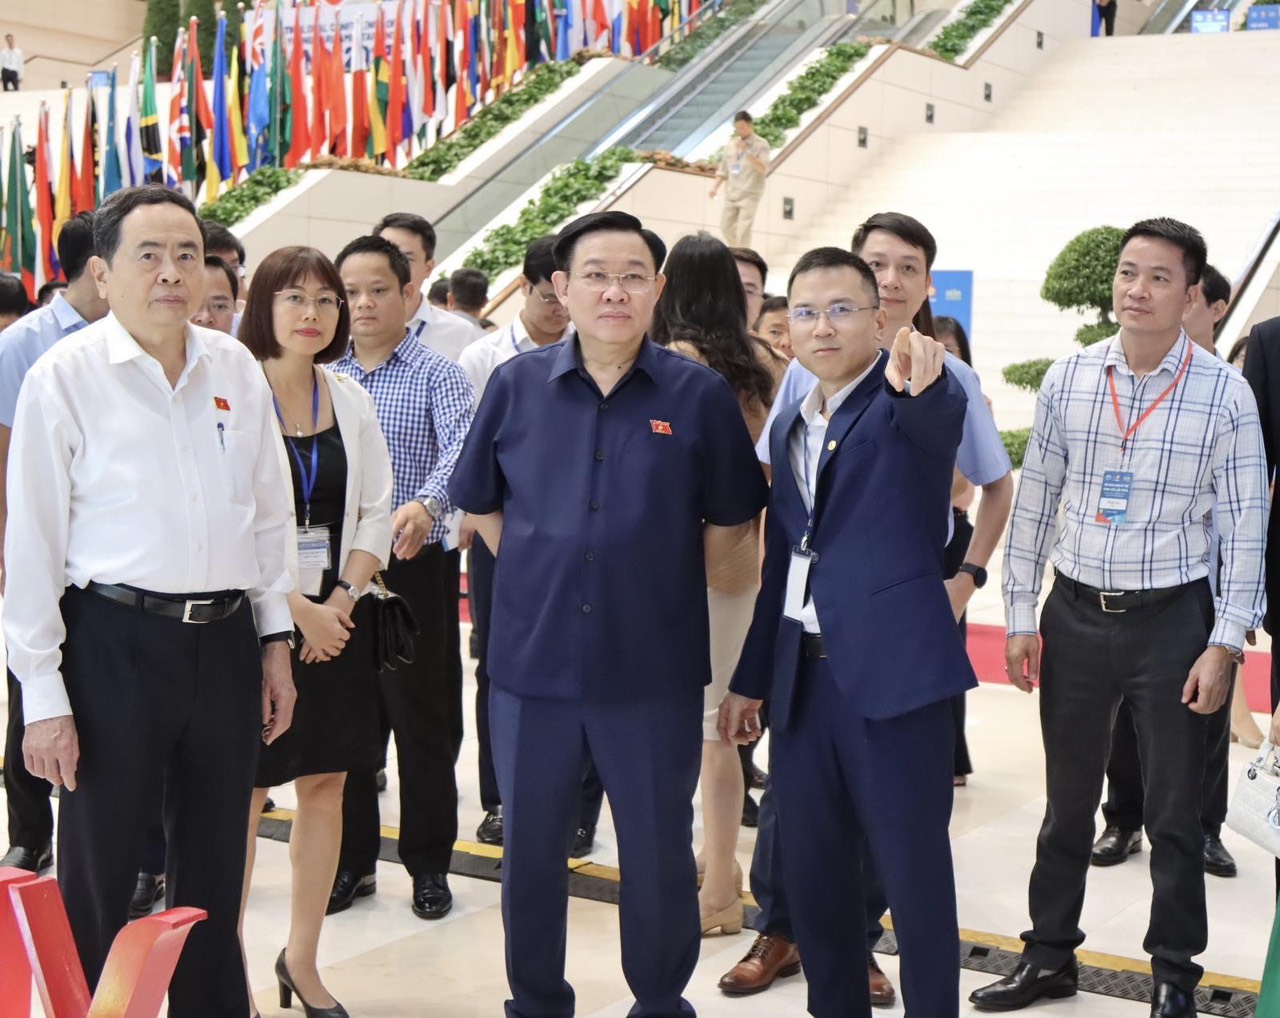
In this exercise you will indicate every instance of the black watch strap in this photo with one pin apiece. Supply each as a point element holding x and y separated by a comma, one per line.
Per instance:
<point>277,638</point>
<point>977,572</point>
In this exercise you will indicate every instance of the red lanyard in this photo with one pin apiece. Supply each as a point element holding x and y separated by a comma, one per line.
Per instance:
<point>1115,399</point>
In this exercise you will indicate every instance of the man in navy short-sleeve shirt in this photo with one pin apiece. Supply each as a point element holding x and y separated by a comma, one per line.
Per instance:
<point>605,472</point>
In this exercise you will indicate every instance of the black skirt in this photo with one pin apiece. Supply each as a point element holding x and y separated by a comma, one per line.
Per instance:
<point>335,720</point>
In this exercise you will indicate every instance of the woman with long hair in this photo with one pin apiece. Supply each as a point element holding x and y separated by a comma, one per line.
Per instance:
<point>332,449</point>
<point>703,313</point>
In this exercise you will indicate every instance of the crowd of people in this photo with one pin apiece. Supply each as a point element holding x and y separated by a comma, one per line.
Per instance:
<point>235,517</point>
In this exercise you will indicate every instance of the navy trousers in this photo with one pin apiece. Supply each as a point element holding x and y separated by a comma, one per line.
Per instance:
<point>648,755</point>
<point>840,778</point>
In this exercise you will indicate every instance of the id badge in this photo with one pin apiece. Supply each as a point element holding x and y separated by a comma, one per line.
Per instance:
<point>798,582</point>
<point>1117,487</point>
<point>737,169</point>
<point>314,548</point>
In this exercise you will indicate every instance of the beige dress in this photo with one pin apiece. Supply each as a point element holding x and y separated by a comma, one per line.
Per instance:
<point>732,587</point>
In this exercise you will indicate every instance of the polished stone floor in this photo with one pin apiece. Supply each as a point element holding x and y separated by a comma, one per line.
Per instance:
<point>382,961</point>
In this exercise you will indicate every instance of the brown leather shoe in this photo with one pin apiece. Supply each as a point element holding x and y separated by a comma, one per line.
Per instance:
<point>771,957</point>
<point>882,991</point>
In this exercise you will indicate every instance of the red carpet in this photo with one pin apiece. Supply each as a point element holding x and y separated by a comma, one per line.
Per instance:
<point>986,651</point>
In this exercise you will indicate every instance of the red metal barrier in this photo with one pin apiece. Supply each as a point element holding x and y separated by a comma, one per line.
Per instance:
<point>138,969</point>
<point>15,970</point>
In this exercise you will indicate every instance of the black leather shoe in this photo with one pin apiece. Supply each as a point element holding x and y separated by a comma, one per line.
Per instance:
<point>750,811</point>
<point>1168,1001</point>
<point>432,898</point>
<point>584,842</point>
<point>1027,985</point>
<point>268,805</point>
<point>1217,860</point>
<point>755,777</point>
<point>490,830</point>
<point>1115,846</point>
<point>347,887</point>
<point>380,780</point>
<point>149,890</point>
<point>34,859</point>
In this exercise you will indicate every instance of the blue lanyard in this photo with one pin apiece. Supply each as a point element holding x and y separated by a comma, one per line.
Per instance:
<point>515,344</point>
<point>308,480</point>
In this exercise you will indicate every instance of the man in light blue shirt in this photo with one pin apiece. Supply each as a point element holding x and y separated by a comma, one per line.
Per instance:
<point>901,251</point>
<point>21,345</point>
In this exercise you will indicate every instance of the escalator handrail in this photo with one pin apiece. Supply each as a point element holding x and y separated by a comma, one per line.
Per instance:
<point>1185,7</point>
<point>1250,272</point>
<point>648,58</point>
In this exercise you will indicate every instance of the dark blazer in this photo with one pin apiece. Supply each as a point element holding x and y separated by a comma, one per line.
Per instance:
<point>1262,369</point>
<point>883,496</point>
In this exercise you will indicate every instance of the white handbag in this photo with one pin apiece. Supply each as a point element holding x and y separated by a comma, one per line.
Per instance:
<point>1255,806</point>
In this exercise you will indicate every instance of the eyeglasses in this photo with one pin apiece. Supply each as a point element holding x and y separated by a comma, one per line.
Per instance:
<point>296,300</point>
<point>219,306</point>
<point>807,318</point>
<point>546,298</point>
<point>631,282</point>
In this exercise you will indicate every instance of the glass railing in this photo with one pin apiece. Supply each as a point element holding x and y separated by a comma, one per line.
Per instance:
<point>648,83</point>
<point>680,123</point>
<point>1172,16</point>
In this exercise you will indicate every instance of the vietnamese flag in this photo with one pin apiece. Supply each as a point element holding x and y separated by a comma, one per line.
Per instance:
<point>84,192</point>
<point>396,89</point>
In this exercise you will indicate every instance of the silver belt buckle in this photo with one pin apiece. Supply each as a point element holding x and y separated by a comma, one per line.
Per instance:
<point>186,612</point>
<point>1102,602</point>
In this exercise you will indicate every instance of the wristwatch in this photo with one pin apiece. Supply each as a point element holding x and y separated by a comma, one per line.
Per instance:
<point>281,637</point>
<point>434,507</point>
<point>977,572</point>
<point>350,588</point>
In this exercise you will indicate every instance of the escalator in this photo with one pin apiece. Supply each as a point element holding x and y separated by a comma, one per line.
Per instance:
<point>1174,16</point>
<point>657,106</point>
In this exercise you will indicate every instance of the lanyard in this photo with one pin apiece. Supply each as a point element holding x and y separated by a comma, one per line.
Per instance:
<point>810,489</point>
<point>418,331</point>
<point>515,343</point>
<point>1115,399</point>
<point>308,480</point>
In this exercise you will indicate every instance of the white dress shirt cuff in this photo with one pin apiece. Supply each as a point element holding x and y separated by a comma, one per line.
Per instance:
<point>271,612</point>
<point>44,697</point>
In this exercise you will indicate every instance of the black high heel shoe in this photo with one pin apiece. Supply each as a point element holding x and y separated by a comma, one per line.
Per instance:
<point>287,990</point>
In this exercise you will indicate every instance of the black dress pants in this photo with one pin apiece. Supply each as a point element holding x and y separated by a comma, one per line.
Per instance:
<point>1091,660</point>
<point>161,708</point>
<point>26,796</point>
<point>480,563</point>
<point>1107,13</point>
<point>1123,807</point>
<point>424,708</point>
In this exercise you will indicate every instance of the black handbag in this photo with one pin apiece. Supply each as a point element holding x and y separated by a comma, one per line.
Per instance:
<point>394,627</point>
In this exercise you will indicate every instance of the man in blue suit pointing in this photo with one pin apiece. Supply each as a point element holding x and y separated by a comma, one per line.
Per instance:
<point>854,641</point>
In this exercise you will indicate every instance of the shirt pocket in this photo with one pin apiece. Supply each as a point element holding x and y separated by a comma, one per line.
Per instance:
<point>238,456</point>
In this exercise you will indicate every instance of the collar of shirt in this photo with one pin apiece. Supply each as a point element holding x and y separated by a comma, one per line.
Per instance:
<point>122,347</point>
<point>519,335</point>
<point>67,317</point>
<point>569,358</point>
<point>811,408</point>
<point>1172,362</point>
<point>408,351</point>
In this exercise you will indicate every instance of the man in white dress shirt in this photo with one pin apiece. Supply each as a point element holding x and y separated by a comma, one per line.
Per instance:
<point>146,616</point>
<point>11,65</point>
<point>446,333</point>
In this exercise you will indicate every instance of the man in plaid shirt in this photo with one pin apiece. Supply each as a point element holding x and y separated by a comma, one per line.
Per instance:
<point>1139,443</point>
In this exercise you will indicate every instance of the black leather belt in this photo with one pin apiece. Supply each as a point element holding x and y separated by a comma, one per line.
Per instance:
<point>198,608</point>
<point>812,647</point>
<point>1115,602</point>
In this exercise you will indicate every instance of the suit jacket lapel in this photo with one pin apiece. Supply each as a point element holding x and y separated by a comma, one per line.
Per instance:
<point>851,411</point>
<point>780,458</point>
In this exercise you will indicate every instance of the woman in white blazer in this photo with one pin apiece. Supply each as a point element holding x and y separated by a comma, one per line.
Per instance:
<point>332,449</point>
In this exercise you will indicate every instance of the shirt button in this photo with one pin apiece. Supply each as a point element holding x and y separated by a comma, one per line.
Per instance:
<point>599,456</point>
<point>593,504</point>
<point>590,556</point>
<point>604,405</point>
<point>586,609</point>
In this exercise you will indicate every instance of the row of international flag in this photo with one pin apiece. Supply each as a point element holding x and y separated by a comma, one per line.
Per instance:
<point>302,82</point>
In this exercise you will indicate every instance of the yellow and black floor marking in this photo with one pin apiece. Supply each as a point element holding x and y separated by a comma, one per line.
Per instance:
<point>1105,974</point>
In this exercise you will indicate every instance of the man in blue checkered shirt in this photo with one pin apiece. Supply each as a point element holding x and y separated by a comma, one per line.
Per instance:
<point>1140,444</point>
<point>424,404</point>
